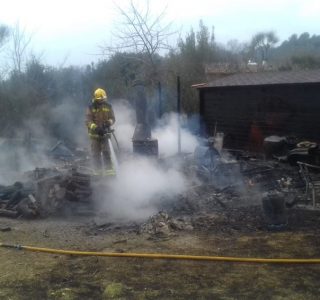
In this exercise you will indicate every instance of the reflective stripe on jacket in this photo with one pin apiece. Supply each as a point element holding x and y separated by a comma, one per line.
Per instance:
<point>99,113</point>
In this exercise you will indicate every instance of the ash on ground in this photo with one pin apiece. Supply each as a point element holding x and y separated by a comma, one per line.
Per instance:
<point>243,195</point>
<point>267,196</point>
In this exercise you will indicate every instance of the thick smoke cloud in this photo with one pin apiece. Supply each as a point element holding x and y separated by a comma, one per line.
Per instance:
<point>139,186</point>
<point>125,123</point>
<point>141,182</point>
<point>167,134</point>
<point>166,131</point>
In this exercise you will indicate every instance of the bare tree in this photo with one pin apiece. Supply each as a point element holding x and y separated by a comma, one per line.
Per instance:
<point>140,32</point>
<point>20,43</point>
<point>4,33</point>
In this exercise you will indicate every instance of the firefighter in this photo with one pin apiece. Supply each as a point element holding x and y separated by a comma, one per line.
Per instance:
<point>99,118</point>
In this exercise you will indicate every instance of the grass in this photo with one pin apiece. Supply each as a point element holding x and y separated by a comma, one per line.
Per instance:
<point>26,275</point>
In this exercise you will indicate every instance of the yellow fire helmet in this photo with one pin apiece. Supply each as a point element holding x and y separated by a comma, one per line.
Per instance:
<point>100,94</point>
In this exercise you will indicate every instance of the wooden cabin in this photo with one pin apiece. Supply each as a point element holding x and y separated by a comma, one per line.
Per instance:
<point>247,107</point>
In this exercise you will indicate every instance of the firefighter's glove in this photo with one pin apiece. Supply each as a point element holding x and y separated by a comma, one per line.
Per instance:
<point>92,128</point>
<point>110,122</point>
<point>100,131</point>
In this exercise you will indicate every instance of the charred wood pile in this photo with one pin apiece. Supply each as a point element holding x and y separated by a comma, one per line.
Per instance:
<point>46,192</point>
<point>17,200</point>
<point>243,180</point>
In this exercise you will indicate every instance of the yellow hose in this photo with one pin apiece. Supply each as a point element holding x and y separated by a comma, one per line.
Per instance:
<point>168,256</point>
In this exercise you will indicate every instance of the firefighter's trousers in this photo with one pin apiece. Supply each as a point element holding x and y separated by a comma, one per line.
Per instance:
<point>100,150</point>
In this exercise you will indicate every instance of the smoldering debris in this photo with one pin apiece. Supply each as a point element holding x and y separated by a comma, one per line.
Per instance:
<point>141,183</point>
<point>175,204</point>
<point>17,200</point>
<point>162,225</point>
<point>268,192</point>
<point>273,199</point>
<point>46,192</point>
<point>247,207</point>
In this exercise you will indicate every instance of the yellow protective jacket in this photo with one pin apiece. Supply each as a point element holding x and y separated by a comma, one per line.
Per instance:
<point>99,113</point>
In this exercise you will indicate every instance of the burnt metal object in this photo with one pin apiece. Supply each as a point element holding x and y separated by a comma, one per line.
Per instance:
<point>274,145</point>
<point>146,147</point>
<point>274,209</point>
<point>142,141</point>
<point>306,152</point>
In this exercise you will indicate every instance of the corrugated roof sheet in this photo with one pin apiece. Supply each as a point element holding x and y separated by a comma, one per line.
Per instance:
<point>266,78</point>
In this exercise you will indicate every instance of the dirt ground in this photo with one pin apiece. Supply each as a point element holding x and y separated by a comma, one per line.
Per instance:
<point>234,232</point>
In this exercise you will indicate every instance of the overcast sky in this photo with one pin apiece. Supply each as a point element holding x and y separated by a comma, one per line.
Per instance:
<point>70,31</point>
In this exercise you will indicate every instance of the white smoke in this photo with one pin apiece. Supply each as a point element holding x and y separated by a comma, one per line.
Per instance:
<point>125,123</point>
<point>141,182</point>
<point>68,119</point>
<point>23,152</point>
<point>166,130</point>
<point>139,185</point>
<point>30,148</point>
<point>167,135</point>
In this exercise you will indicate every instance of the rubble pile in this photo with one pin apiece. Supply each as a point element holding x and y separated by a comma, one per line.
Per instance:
<point>261,194</point>
<point>161,225</point>
<point>16,200</point>
<point>46,191</point>
<point>241,193</point>
<point>265,195</point>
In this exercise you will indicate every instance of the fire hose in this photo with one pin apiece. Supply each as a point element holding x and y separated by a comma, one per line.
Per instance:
<point>110,132</point>
<point>167,256</point>
<point>115,138</point>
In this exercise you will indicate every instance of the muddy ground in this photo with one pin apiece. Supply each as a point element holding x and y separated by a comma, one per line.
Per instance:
<point>217,223</point>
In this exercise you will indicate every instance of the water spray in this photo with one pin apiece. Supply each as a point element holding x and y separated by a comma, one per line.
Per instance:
<point>114,159</point>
